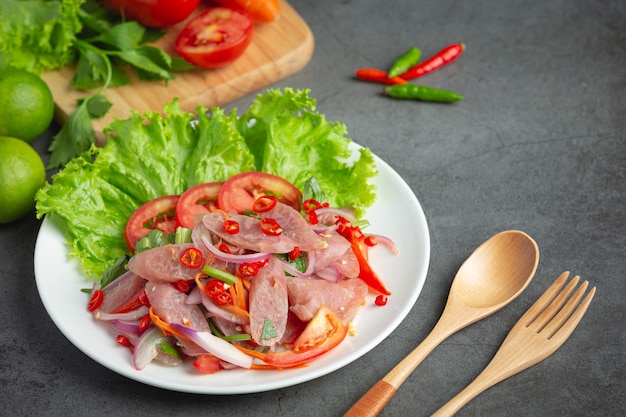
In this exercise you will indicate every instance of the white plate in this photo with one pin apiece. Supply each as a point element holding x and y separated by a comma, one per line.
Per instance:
<point>396,214</point>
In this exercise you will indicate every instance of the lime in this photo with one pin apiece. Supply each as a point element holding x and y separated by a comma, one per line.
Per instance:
<point>22,173</point>
<point>26,103</point>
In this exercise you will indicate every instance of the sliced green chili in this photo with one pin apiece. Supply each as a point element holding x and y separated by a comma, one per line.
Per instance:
<point>407,60</point>
<point>420,92</point>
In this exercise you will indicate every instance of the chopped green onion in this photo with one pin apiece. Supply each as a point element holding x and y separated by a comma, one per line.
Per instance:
<point>183,235</point>
<point>237,337</point>
<point>219,274</point>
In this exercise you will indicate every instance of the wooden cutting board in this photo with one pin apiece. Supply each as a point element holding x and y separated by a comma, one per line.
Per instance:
<point>278,50</point>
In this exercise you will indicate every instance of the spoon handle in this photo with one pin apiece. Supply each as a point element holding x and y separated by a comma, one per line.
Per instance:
<point>375,399</point>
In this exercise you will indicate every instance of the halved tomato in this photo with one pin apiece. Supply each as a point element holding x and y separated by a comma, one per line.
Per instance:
<point>240,191</point>
<point>216,37</point>
<point>155,214</point>
<point>199,199</point>
<point>154,13</point>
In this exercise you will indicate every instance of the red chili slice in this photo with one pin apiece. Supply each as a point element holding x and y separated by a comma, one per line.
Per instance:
<point>144,323</point>
<point>248,269</point>
<point>223,298</point>
<point>182,286</point>
<point>231,226</point>
<point>311,204</point>
<point>294,253</point>
<point>270,227</point>
<point>192,258</point>
<point>264,203</point>
<point>214,286</point>
<point>95,301</point>
<point>380,300</point>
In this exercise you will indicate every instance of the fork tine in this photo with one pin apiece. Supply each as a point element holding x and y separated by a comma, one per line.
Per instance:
<point>550,311</point>
<point>558,320</point>
<point>568,327</point>
<point>543,300</point>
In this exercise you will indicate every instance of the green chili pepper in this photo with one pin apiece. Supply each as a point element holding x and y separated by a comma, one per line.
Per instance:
<point>409,59</point>
<point>420,92</point>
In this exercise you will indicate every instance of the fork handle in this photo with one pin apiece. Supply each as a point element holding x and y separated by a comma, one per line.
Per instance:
<point>496,371</point>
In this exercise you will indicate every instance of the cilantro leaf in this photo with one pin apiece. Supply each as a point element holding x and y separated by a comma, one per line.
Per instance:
<point>268,330</point>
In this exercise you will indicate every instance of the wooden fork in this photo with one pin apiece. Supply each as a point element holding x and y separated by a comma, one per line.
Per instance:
<point>537,335</point>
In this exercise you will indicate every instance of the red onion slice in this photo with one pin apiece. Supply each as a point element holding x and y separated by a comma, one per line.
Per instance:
<point>231,257</point>
<point>216,346</point>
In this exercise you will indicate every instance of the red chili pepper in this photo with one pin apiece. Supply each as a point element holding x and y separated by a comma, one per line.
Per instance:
<point>311,204</point>
<point>231,226</point>
<point>312,215</point>
<point>123,340</point>
<point>380,300</point>
<point>264,203</point>
<point>192,258</point>
<point>143,298</point>
<point>294,253</point>
<point>223,248</point>
<point>144,323</point>
<point>95,301</point>
<point>248,269</point>
<point>441,58</point>
<point>223,298</point>
<point>377,76</point>
<point>270,227</point>
<point>182,286</point>
<point>370,241</point>
<point>214,287</point>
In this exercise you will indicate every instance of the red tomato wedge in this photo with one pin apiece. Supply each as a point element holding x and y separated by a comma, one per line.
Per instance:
<point>261,11</point>
<point>324,332</point>
<point>155,214</point>
<point>216,37</point>
<point>240,191</point>
<point>196,201</point>
<point>154,13</point>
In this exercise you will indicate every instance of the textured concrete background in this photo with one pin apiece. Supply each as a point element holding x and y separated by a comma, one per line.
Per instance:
<point>538,144</point>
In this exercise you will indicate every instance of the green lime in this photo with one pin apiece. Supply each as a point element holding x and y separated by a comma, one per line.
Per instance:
<point>26,103</point>
<point>22,173</point>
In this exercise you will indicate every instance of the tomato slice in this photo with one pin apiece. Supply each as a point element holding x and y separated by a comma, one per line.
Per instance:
<point>196,201</point>
<point>324,332</point>
<point>207,364</point>
<point>261,11</point>
<point>155,214</point>
<point>154,13</point>
<point>240,191</point>
<point>216,37</point>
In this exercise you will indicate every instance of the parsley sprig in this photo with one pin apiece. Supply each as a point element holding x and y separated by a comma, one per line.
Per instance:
<point>105,50</point>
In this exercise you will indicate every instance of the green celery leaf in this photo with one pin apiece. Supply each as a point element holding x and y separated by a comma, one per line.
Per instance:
<point>124,36</point>
<point>91,70</point>
<point>148,59</point>
<point>98,106</point>
<point>74,138</point>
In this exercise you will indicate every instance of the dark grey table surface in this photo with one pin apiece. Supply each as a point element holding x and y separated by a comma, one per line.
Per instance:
<point>538,144</point>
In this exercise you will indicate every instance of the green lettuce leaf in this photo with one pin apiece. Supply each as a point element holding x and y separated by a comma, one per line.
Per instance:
<point>163,153</point>
<point>290,139</point>
<point>38,35</point>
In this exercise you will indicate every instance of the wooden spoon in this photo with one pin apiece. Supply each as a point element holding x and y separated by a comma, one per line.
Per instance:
<point>493,276</point>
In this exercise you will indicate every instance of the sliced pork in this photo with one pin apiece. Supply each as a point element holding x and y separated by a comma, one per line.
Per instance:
<point>343,297</point>
<point>162,264</point>
<point>269,306</point>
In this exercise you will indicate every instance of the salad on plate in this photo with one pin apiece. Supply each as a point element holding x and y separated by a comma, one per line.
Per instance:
<point>234,240</point>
